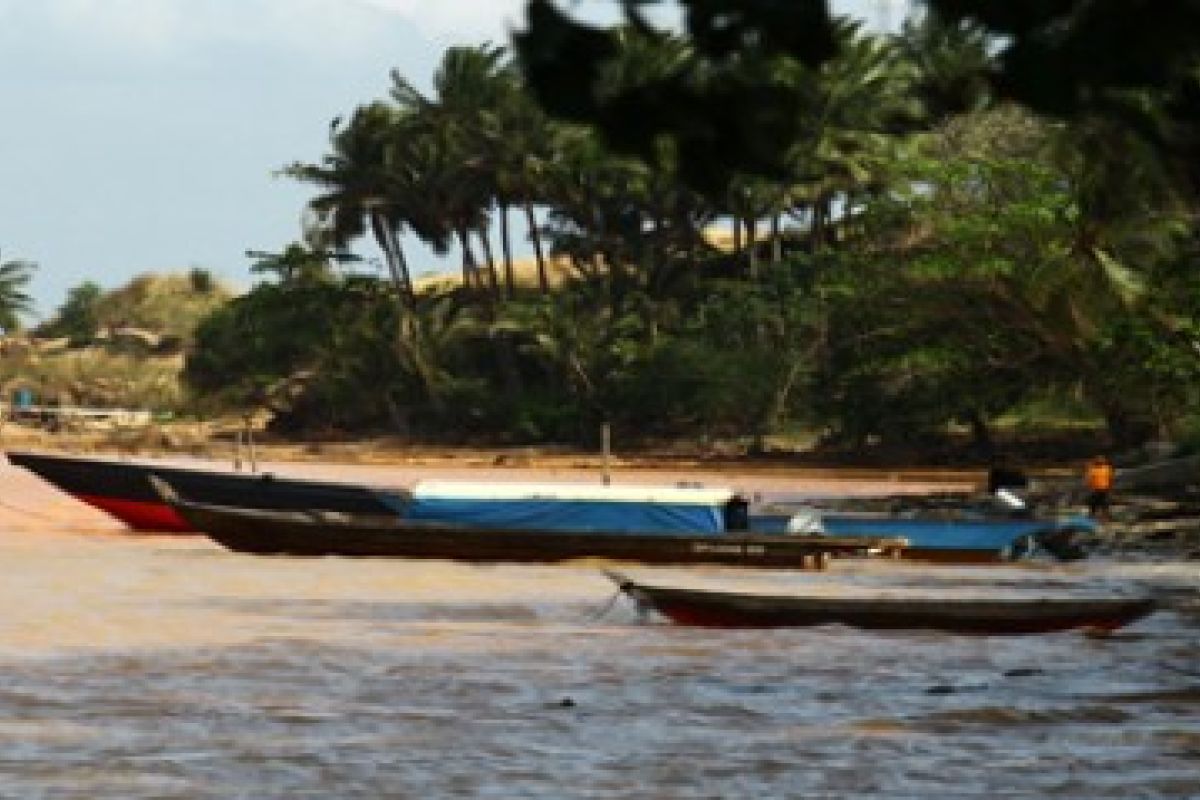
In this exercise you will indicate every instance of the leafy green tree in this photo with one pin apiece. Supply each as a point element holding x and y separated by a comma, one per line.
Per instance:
<point>722,107</point>
<point>1068,58</point>
<point>79,317</point>
<point>984,283</point>
<point>267,346</point>
<point>202,280</point>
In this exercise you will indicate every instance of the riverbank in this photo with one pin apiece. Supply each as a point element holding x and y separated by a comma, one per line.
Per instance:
<point>1163,523</point>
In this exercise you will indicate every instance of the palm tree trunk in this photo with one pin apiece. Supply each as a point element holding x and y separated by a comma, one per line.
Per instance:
<point>781,396</point>
<point>776,240</point>
<point>469,269</point>
<point>510,283</point>
<point>662,246</point>
<point>816,231</point>
<point>485,241</point>
<point>393,256</point>
<point>536,236</point>
<point>981,434</point>
<point>752,244</point>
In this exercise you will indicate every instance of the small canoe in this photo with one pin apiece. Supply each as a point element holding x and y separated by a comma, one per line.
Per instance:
<point>720,609</point>
<point>323,533</point>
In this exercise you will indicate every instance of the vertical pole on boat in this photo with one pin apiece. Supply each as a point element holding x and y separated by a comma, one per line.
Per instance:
<point>250,446</point>
<point>237,450</point>
<point>606,444</point>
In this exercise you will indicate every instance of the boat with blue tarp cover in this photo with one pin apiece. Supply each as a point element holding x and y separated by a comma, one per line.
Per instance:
<point>629,508</point>
<point>576,535</point>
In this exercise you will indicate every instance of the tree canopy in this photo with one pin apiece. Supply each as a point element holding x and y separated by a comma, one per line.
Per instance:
<point>1137,62</point>
<point>777,220</point>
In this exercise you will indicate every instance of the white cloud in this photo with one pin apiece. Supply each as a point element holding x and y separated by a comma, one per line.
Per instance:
<point>466,21</point>
<point>167,27</point>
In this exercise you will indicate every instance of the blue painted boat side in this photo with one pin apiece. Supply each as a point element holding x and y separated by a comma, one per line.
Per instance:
<point>949,534</point>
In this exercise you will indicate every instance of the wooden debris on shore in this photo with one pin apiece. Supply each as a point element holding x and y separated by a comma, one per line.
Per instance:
<point>1154,525</point>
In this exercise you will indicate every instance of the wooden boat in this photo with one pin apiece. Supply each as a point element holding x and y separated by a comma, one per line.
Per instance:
<point>721,609</point>
<point>122,488</point>
<point>946,535</point>
<point>326,533</point>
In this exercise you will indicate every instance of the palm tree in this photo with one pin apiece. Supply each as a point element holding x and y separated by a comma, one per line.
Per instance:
<point>519,152</point>
<point>952,64</point>
<point>297,265</point>
<point>14,277</point>
<point>851,107</point>
<point>528,168</point>
<point>362,190</point>
<point>461,118</point>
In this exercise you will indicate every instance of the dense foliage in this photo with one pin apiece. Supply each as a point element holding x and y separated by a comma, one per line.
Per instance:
<point>118,348</point>
<point>166,307</point>
<point>916,252</point>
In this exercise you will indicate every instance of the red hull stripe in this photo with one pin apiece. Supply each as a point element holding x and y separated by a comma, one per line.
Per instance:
<point>140,515</point>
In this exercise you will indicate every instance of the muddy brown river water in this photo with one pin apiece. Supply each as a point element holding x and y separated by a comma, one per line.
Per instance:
<point>166,667</point>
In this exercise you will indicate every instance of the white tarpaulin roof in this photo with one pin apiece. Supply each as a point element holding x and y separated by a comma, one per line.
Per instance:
<point>591,492</point>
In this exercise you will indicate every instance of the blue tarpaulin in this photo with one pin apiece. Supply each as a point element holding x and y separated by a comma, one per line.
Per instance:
<point>571,507</point>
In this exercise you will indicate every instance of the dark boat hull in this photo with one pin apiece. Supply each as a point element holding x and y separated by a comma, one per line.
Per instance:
<point>715,609</point>
<point>330,534</point>
<point>123,490</point>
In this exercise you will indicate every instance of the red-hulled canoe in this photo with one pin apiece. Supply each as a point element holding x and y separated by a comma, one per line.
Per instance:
<point>719,609</point>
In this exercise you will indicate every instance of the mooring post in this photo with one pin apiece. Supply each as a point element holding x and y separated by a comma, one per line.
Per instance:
<point>250,446</point>
<point>606,446</point>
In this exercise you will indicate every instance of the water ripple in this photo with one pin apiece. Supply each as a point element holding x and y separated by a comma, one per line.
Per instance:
<point>163,670</point>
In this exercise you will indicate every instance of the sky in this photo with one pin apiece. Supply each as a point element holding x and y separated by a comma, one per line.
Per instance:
<point>145,135</point>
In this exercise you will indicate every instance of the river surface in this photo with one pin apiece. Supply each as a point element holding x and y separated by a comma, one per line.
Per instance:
<point>166,667</point>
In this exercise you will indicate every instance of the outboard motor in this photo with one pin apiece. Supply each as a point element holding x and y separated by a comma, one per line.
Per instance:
<point>806,521</point>
<point>737,514</point>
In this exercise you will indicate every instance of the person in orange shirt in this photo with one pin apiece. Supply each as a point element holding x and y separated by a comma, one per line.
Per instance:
<point>1099,480</point>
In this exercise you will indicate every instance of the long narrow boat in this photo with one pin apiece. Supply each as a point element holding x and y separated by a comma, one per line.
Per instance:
<point>720,609</point>
<point>325,533</point>
<point>122,488</point>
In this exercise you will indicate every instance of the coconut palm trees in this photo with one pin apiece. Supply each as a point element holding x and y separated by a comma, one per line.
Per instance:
<point>362,190</point>
<point>952,64</point>
<point>14,301</point>
<point>475,122</point>
<point>445,165</point>
<point>852,109</point>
